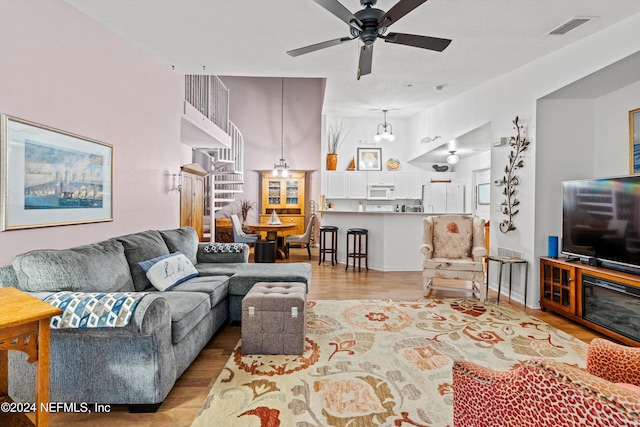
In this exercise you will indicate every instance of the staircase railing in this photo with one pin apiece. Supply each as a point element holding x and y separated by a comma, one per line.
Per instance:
<point>225,166</point>
<point>209,96</point>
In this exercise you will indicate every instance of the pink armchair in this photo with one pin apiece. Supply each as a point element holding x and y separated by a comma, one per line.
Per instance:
<point>545,392</point>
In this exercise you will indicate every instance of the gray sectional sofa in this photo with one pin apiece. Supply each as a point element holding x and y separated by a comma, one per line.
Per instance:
<point>136,364</point>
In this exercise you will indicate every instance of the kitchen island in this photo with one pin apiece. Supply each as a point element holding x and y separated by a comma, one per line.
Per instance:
<point>394,237</point>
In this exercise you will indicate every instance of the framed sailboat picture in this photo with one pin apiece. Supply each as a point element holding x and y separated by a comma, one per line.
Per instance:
<point>51,177</point>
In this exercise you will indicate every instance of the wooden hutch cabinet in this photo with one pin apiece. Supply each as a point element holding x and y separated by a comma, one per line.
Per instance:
<point>286,196</point>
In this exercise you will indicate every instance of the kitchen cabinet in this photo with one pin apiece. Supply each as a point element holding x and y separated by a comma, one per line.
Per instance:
<point>408,185</point>
<point>443,197</point>
<point>336,185</point>
<point>357,185</point>
<point>381,178</point>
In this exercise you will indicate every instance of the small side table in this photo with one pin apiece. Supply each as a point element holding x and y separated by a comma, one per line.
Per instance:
<point>510,261</point>
<point>24,326</point>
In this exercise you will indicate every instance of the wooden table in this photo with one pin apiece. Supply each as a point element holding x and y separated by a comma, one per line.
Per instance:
<point>24,326</point>
<point>272,232</point>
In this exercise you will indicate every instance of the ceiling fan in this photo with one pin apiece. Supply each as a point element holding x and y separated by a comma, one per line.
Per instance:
<point>369,24</point>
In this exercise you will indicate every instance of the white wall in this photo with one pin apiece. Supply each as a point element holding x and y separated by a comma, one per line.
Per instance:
<point>516,94</point>
<point>583,138</point>
<point>255,107</point>
<point>61,69</point>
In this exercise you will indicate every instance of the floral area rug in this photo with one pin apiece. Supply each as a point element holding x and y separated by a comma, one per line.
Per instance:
<point>379,363</point>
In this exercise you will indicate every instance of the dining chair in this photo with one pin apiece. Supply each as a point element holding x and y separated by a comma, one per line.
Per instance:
<point>239,236</point>
<point>302,239</point>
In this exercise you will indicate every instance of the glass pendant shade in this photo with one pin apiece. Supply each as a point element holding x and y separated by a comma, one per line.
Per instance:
<point>387,131</point>
<point>453,158</point>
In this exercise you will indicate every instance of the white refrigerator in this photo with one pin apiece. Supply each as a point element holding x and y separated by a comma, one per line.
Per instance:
<point>443,197</point>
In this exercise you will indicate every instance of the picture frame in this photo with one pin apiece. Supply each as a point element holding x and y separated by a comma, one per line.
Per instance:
<point>51,177</point>
<point>369,159</point>
<point>634,141</point>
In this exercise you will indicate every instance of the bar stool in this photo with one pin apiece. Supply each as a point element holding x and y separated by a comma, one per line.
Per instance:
<point>333,250</point>
<point>357,253</point>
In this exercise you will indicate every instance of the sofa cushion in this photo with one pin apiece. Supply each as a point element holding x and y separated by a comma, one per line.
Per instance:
<point>209,256</point>
<point>187,310</point>
<point>140,247</point>
<point>99,267</point>
<point>244,276</point>
<point>166,271</point>
<point>183,239</point>
<point>216,286</point>
<point>8,276</point>
<point>452,238</point>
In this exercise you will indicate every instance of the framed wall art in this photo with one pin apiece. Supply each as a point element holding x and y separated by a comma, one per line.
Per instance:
<point>51,177</point>
<point>634,141</point>
<point>369,159</point>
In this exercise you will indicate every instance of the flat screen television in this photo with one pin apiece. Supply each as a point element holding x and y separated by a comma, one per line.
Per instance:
<point>601,221</point>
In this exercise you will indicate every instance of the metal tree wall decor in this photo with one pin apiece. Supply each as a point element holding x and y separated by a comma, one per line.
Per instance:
<point>510,181</point>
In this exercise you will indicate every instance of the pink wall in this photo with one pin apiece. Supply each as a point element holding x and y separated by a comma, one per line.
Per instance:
<point>61,69</point>
<point>255,108</point>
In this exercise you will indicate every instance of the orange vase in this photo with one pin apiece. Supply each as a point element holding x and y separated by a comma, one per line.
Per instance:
<point>332,162</point>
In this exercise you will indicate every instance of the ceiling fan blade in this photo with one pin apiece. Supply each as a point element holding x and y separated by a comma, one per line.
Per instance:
<point>398,11</point>
<point>424,42</point>
<point>335,7</point>
<point>366,59</point>
<point>318,46</point>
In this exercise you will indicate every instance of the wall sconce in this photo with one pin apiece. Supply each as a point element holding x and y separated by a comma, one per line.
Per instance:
<point>177,181</point>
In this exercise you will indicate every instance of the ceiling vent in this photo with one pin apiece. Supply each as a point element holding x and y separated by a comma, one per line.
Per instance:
<point>568,26</point>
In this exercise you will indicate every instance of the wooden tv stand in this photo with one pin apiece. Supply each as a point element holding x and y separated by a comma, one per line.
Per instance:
<point>561,290</point>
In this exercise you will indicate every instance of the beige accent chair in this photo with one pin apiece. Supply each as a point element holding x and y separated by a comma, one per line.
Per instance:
<point>239,236</point>
<point>453,249</point>
<point>302,239</point>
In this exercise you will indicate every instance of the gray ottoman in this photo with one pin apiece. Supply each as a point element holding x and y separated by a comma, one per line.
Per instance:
<point>274,318</point>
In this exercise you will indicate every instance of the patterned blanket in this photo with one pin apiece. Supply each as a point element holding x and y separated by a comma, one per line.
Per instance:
<point>93,310</point>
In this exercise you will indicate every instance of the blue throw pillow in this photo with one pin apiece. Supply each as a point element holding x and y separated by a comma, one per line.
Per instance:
<point>166,271</point>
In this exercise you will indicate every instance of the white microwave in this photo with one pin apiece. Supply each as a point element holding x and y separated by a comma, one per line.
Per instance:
<point>381,192</point>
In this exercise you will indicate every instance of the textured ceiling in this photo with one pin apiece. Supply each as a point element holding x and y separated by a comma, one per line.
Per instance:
<point>251,37</point>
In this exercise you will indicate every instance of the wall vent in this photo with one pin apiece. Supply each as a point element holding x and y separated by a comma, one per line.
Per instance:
<point>568,26</point>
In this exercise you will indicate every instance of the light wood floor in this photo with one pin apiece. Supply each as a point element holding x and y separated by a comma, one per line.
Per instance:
<point>188,394</point>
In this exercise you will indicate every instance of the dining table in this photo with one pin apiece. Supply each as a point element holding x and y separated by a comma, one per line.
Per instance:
<point>272,231</point>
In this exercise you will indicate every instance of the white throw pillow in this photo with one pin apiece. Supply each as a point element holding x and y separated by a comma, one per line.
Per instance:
<point>167,271</point>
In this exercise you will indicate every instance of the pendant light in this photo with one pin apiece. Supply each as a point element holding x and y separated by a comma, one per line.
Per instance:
<point>281,168</point>
<point>387,130</point>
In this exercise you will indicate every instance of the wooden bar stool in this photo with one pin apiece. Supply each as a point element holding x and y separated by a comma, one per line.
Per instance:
<point>333,249</point>
<point>357,253</point>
